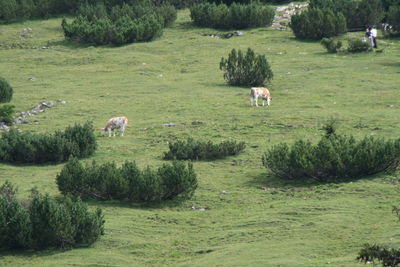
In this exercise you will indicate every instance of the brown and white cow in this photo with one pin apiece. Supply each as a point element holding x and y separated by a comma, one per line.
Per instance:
<point>256,92</point>
<point>115,123</point>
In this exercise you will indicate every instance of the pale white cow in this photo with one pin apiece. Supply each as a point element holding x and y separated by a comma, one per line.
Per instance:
<point>256,92</point>
<point>115,123</point>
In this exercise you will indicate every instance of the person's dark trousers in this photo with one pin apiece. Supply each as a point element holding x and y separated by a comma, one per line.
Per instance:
<point>375,44</point>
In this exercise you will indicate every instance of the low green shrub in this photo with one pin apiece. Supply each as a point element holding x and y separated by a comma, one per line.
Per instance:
<point>120,24</point>
<point>389,257</point>
<point>46,222</point>
<point>235,16</point>
<point>335,157</point>
<point>358,45</point>
<point>7,113</point>
<point>199,150</point>
<point>127,182</point>
<point>6,91</point>
<point>315,23</point>
<point>246,70</point>
<point>25,147</point>
<point>332,45</point>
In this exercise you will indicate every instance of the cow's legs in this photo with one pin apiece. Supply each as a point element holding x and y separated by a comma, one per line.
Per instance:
<point>122,130</point>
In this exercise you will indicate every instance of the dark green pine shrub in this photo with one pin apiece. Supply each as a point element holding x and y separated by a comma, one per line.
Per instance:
<point>120,24</point>
<point>315,23</point>
<point>389,257</point>
<point>127,182</point>
<point>15,225</point>
<point>335,157</point>
<point>199,150</point>
<point>7,113</point>
<point>46,222</point>
<point>358,14</point>
<point>332,45</point>
<point>25,147</point>
<point>393,17</point>
<point>234,16</point>
<point>6,91</point>
<point>246,70</point>
<point>358,45</point>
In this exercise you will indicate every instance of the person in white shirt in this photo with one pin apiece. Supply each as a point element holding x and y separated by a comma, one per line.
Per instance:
<point>374,34</point>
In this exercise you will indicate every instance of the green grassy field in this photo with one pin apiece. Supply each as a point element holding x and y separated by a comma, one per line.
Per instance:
<point>261,221</point>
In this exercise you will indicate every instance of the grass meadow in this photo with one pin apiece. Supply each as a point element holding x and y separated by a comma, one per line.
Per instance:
<point>260,221</point>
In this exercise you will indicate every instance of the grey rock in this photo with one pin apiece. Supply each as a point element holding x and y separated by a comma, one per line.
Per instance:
<point>169,124</point>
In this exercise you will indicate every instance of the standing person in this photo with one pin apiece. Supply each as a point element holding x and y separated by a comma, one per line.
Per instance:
<point>373,35</point>
<point>368,34</point>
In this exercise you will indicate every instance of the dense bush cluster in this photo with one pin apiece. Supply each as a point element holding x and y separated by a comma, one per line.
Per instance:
<point>246,70</point>
<point>315,23</point>
<point>198,150</point>
<point>6,91</point>
<point>16,10</point>
<point>46,222</point>
<point>25,147</point>
<point>128,182</point>
<point>393,17</point>
<point>235,16</point>
<point>358,13</point>
<point>334,157</point>
<point>332,45</point>
<point>120,24</point>
<point>357,45</point>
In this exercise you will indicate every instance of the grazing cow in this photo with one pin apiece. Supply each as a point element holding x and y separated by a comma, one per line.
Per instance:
<point>115,123</point>
<point>257,92</point>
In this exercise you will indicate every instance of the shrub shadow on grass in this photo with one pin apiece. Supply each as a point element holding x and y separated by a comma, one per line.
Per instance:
<point>70,44</point>
<point>31,253</point>
<point>268,180</point>
<point>134,205</point>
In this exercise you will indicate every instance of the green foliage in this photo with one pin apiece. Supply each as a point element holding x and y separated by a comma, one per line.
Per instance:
<point>358,45</point>
<point>15,225</point>
<point>247,70</point>
<point>46,222</point>
<point>118,25</point>
<point>235,16</point>
<point>128,182</point>
<point>7,113</point>
<point>332,45</point>
<point>198,150</point>
<point>25,147</point>
<point>315,23</point>
<point>334,157</point>
<point>6,91</point>
<point>358,14</point>
<point>389,257</point>
<point>393,17</point>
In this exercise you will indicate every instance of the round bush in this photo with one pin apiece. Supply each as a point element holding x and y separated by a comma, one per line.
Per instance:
<point>6,91</point>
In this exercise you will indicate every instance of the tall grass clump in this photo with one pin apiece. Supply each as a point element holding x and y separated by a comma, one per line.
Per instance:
<point>120,24</point>
<point>334,157</point>
<point>6,91</point>
<point>246,70</point>
<point>25,147</point>
<point>46,222</point>
<point>317,23</point>
<point>107,181</point>
<point>200,150</point>
<point>234,16</point>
